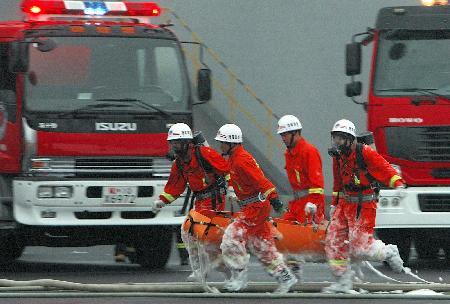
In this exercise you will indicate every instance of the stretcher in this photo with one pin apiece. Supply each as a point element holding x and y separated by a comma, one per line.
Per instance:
<point>300,238</point>
<point>208,225</point>
<point>290,237</point>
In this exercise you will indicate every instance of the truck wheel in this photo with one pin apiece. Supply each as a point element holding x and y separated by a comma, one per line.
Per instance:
<point>10,249</point>
<point>399,237</point>
<point>153,251</point>
<point>426,250</point>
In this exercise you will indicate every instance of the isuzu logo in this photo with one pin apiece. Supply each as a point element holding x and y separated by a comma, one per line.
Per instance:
<point>115,126</point>
<point>405,119</point>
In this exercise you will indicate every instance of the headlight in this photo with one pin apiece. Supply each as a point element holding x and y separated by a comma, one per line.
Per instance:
<point>45,192</point>
<point>55,192</point>
<point>63,192</point>
<point>384,202</point>
<point>395,202</point>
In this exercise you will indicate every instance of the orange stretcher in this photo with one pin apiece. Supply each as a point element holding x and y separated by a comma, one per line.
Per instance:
<point>208,225</point>
<point>300,238</point>
<point>291,237</point>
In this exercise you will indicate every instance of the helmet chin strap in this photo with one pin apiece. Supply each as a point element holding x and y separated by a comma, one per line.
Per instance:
<point>228,152</point>
<point>291,144</point>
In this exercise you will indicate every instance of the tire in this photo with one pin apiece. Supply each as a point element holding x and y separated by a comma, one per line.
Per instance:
<point>10,249</point>
<point>399,237</point>
<point>426,251</point>
<point>426,247</point>
<point>153,251</point>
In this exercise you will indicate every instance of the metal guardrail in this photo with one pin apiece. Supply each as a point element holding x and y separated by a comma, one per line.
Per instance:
<point>241,107</point>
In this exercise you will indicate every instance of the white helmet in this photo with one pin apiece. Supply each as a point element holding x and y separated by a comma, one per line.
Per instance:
<point>345,126</point>
<point>288,123</point>
<point>179,131</point>
<point>229,133</point>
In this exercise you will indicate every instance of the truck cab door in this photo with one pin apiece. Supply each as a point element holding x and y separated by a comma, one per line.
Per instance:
<point>10,125</point>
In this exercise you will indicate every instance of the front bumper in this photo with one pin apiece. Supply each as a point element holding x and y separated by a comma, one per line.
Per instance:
<point>414,207</point>
<point>87,205</point>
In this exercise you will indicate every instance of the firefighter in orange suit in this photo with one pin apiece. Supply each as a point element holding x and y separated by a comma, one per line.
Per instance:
<point>350,234</point>
<point>304,171</point>
<point>250,230</point>
<point>208,189</point>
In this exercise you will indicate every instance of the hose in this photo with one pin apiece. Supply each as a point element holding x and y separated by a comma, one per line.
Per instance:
<point>185,288</point>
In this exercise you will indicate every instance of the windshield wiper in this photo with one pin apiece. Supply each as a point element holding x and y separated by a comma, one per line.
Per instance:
<point>140,103</point>
<point>91,107</point>
<point>426,91</point>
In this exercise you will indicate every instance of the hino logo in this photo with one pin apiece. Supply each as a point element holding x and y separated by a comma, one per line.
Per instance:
<point>406,119</point>
<point>115,126</point>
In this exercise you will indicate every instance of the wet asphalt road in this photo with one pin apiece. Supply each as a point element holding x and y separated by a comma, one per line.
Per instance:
<point>96,265</point>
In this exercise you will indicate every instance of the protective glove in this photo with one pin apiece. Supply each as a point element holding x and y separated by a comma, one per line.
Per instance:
<point>231,195</point>
<point>310,208</point>
<point>157,205</point>
<point>277,205</point>
<point>332,209</point>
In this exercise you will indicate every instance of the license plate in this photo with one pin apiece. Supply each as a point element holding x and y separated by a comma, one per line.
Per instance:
<point>119,195</point>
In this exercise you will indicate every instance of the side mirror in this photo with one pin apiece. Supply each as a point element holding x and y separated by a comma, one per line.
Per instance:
<point>353,89</point>
<point>45,45</point>
<point>204,90</point>
<point>353,59</point>
<point>18,57</point>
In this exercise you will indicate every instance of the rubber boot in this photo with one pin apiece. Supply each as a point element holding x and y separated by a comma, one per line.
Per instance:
<point>343,285</point>
<point>238,280</point>
<point>393,258</point>
<point>286,279</point>
<point>297,269</point>
<point>182,251</point>
<point>195,276</point>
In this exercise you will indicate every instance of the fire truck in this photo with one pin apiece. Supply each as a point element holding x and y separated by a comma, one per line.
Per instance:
<point>408,112</point>
<point>88,90</point>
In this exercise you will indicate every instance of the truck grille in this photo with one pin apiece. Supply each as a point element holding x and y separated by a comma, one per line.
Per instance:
<point>119,167</point>
<point>441,173</point>
<point>420,144</point>
<point>434,202</point>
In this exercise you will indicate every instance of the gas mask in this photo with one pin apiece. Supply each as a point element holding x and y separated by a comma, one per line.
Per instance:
<point>181,149</point>
<point>228,152</point>
<point>341,144</point>
<point>333,151</point>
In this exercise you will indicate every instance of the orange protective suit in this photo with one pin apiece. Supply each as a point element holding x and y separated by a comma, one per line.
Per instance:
<point>304,171</point>
<point>192,173</point>
<point>350,236</point>
<point>251,230</point>
<point>202,256</point>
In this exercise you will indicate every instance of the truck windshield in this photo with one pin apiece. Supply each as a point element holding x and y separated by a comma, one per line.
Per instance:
<point>83,71</point>
<point>411,62</point>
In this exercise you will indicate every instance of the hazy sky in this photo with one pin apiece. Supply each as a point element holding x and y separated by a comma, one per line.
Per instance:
<point>291,52</point>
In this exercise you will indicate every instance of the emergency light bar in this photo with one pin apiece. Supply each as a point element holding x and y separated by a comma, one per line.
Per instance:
<point>434,2</point>
<point>90,8</point>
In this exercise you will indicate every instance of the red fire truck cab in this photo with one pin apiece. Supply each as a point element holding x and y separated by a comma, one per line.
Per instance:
<point>408,111</point>
<point>88,91</point>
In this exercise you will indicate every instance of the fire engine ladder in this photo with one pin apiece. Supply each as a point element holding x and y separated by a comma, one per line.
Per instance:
<point>234,101</point>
